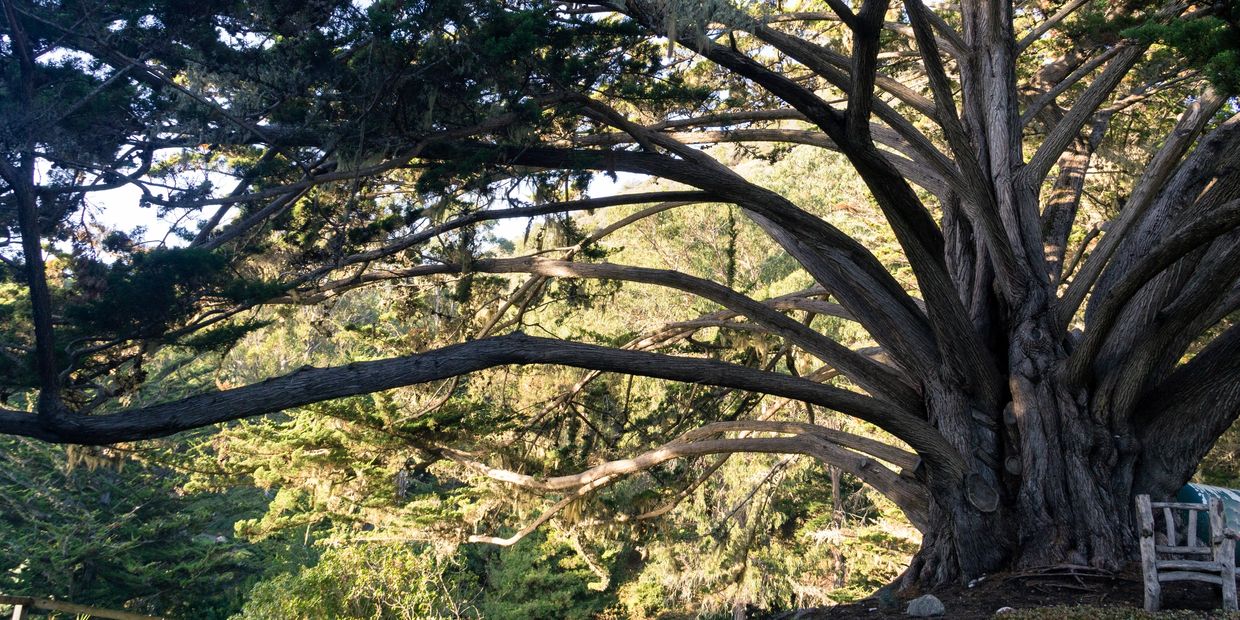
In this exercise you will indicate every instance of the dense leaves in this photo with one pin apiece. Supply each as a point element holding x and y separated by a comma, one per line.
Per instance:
<point>119,532</point>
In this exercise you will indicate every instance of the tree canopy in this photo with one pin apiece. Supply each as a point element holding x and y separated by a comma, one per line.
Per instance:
<point>1046,331</point>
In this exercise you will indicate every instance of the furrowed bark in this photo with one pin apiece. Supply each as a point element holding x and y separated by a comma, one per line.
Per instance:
<point>1205,390</point>
<point>1156,177</point>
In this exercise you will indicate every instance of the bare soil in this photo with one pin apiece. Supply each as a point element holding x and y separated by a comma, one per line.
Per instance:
<point>1057,587</point>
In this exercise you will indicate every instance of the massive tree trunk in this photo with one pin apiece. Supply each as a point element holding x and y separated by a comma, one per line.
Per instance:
<point>1051,484</point>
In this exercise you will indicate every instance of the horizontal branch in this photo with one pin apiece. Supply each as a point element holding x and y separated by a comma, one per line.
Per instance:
<point>311,385</point>
<point>871,376</point>
<point>807,439</point>
<point>865,445</point>
<point>913,170</point>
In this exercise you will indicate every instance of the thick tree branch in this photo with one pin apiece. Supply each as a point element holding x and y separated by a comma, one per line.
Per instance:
<point>871,376</point>
<point>311,385</point>
<point>1070,125</point>
<point>883,451</point>
<point>1152,184</point>
<point>1065,198</point>
<point>1176,246</point>
<point>915,172</point>
<point>980,204</point>
<point>1185,414</point>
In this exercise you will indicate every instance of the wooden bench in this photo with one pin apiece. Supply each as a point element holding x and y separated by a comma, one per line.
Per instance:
<point>1183,556</point>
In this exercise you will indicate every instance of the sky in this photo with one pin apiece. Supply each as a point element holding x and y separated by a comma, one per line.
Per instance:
<point>121,209</point>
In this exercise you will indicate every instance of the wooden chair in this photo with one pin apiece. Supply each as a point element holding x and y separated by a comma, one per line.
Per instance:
<point>1181,557</point>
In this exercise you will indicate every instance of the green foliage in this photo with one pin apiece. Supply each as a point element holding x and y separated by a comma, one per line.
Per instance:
<point>1210,43</point>
<point>157,290</point>
<point>222,337</point>
<point>1221,466</point>
<point>96,527</point>
<point>540,578</point>
<point>375,581</point>
<point>16,338</point>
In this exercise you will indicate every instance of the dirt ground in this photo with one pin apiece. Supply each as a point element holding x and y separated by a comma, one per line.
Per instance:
<point>1066,586</point>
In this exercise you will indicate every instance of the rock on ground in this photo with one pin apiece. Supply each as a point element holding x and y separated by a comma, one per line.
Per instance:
<point>925,607</point>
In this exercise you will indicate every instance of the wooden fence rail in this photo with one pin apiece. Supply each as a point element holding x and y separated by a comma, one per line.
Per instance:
<point>23,604</point>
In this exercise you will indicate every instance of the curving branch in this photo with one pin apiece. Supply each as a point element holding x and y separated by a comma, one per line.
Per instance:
<point>871,376</point>
<point>908,166</point>
<point>1153,181</point>
<point>310,385</point>
<point>883,451</point>
<point>829,446</point>
<point>1173,248</point>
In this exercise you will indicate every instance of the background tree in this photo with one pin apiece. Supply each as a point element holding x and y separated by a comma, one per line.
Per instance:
<point>771,531</point>
<point>100,527</point>
<point>365,145</point>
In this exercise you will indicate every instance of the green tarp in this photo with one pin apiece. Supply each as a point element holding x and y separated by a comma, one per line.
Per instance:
<point>1194,493</point>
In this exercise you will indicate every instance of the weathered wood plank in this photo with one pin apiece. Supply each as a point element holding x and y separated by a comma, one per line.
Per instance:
<point>1149,557</point>
<point>1201,550</point>
<point>1169,521</point>
<point>30,602</point>
<point>1200,565</point>
<point>1178,505</point>
<point>1190,576</point>
<point>1224,552</point>
<point>1191,539</point>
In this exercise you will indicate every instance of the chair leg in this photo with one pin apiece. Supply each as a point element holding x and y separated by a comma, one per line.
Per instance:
<point>1228,576</point>
<point>1149,562</point>
<point>1223,541</point>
